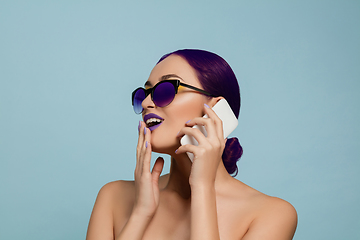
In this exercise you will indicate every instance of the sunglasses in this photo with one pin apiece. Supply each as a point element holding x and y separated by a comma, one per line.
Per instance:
<point>162,94</point>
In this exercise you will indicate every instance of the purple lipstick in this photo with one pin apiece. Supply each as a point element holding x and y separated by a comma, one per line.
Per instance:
<point>153,121</point>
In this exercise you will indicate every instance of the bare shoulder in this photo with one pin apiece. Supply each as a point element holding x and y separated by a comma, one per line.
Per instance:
<point>115,193</point>
<point>277,219</point>
<point>273,218</point>
<point>114,189</point>
<point>121,193</point>
<point>279,207</point>
<point>114,197</point>
<point>262,202</point>
<point>119,196</point>
<point>277,211</point>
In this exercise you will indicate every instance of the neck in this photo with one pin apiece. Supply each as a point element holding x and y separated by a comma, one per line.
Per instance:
<point>179,176</point>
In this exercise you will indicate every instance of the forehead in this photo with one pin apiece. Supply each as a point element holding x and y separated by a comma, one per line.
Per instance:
<point>174,65</point>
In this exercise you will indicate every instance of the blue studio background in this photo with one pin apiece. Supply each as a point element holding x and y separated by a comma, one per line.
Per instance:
<point>67,69</point>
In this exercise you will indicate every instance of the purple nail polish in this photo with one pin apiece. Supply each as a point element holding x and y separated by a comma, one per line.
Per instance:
<point>146,144</point>
<point>144,130</point>
<point>176,151</point>
<point>207,106</point>
<point>188,121</point>
<point>139,126</point>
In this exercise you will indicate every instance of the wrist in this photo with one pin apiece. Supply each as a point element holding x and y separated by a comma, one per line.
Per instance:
<point>202,180</point>
<point>135,227</point>
<point>141,214</point>
<point>203,187</point>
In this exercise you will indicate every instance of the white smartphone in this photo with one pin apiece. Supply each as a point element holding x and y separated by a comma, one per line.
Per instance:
<point>228,118</point>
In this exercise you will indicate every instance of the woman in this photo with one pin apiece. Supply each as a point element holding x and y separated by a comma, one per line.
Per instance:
<point>199,199</point>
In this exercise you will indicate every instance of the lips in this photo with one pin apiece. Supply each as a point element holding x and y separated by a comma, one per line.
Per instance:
<point>153,121</point>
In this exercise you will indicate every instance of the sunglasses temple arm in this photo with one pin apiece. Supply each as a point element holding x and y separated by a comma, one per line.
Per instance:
<point>197,89</point>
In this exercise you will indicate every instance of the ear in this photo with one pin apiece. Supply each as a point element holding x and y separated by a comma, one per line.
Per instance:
<point>213,101</point>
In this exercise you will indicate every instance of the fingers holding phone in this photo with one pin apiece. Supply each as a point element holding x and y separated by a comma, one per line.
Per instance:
<point>224,119</point>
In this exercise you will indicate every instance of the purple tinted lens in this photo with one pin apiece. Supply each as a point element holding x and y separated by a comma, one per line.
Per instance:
<point>139,97</point>
<point>164,93</point>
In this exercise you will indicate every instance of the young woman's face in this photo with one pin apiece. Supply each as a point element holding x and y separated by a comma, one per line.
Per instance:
<point>186,105</point>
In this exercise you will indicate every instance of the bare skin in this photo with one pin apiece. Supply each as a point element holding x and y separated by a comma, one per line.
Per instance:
<point>198,200</point>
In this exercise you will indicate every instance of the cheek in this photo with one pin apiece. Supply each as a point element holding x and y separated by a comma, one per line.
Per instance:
<point>187,106</point>
<point>176,115</point>
<point>183,110</point>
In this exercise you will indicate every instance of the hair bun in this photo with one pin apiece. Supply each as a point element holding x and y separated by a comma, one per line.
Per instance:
<point>231,155</point>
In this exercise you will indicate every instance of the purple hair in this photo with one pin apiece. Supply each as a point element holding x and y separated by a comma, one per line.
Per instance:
<point>216,77</point>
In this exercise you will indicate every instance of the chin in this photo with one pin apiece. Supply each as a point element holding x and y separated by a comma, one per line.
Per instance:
<point>163,141</point>
<point>164,146</point>
<point>164,151</point>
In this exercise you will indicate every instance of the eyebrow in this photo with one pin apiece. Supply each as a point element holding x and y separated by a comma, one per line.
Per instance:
<point>165,77</point>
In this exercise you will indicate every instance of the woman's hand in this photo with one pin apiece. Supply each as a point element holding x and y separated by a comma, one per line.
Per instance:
<point>207,155</point>
<point>146,182</point>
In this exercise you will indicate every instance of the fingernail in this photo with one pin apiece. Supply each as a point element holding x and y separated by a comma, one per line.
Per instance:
<point>176,151</point>
<point>188,121</point>
<point>139,126</point>
<point>146,144</point>
<point>145,130</point>
<point>207,106</point>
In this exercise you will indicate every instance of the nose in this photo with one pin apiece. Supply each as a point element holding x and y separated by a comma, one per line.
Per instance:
<point>147,103</point>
